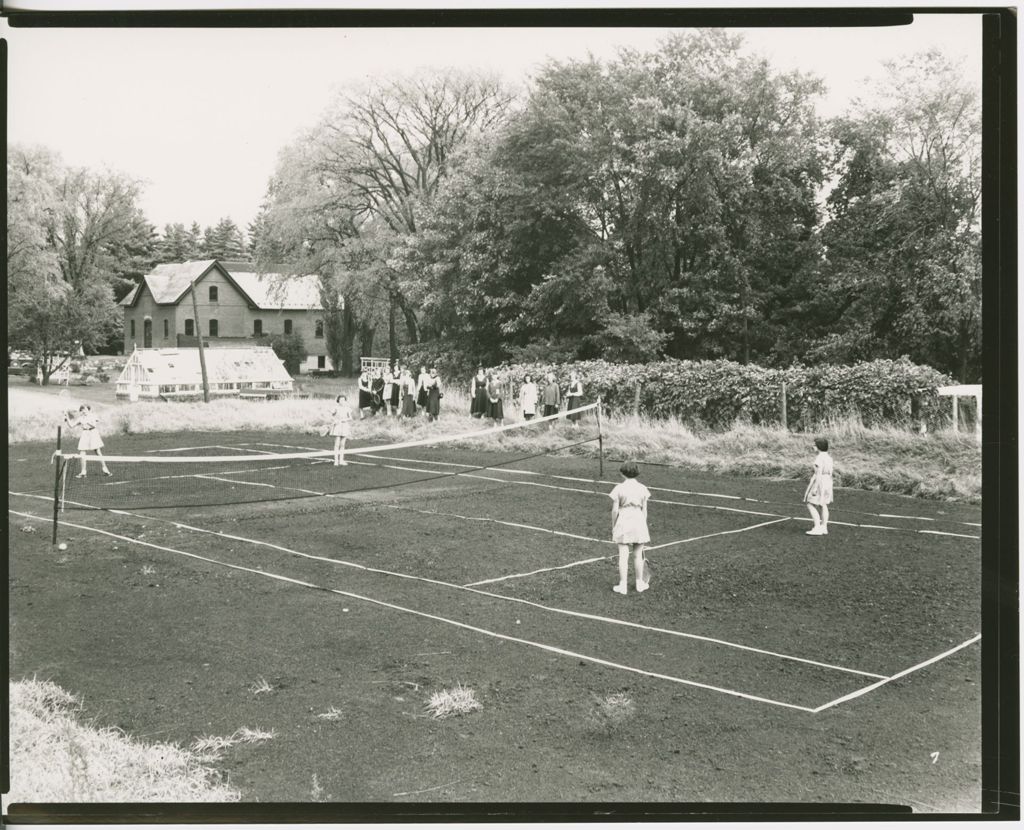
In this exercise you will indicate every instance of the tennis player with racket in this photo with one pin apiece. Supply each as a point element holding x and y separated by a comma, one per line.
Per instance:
<point>340,428</point>
<point>629,527</point>
<point>90,439</point>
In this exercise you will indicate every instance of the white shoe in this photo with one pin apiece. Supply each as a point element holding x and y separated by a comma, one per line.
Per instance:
<point>620,589</point>
<point>641,586</point>
<point>816,531</point>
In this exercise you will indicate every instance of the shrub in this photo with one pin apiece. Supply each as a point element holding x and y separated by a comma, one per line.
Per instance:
<point>717,393</point>
<point>449,360</point>
<point>290,348</point>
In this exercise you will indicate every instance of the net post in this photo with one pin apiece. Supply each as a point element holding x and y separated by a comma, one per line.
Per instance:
<point>600,439</point>
<point>59,465</point>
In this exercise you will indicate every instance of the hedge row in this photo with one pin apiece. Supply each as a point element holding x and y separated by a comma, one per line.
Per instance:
<point>716,393</point>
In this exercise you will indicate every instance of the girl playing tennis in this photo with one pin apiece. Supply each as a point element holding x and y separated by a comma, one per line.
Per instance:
<point>341,428</point>
<point>819,490</point>
<point>90,439</point>
<point>629,526</point>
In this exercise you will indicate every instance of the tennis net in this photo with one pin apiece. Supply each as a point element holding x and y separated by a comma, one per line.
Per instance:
<point>209,477</point>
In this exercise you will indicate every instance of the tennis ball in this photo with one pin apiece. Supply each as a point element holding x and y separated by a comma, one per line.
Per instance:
<point>62,546</point>
<point>517,622</point>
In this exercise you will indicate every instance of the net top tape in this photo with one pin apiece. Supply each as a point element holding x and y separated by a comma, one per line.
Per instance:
<point>326,453</point>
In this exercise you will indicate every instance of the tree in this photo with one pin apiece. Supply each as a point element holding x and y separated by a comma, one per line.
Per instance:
<point>347,194</point>
<point>224,241</point>
<point>672,191</point>
<point>68,232</point>
<point>903,235</point>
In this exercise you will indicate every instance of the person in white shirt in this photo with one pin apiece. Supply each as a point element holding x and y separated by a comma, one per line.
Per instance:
<point>818,495</point>
<point>528,396</point>
<point>629,526</point>
<point>90,439</point>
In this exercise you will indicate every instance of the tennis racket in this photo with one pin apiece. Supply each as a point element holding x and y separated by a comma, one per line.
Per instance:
<point>645,569</point>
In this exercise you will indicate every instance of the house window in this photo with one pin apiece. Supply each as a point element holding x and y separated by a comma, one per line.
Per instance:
<point>321,362</point>
<point>320,329</point>
<point>287,326</point>
<point>132,326</point>
<point>213,293</point>
<point>257,328</point>
<point>166,329</point>
<point>213,328</point>
<point>190,328</point>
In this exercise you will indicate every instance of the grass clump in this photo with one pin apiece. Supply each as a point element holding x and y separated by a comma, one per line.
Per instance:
<point>453,702</point>
<point>612,711</point>
<point>55,757</point>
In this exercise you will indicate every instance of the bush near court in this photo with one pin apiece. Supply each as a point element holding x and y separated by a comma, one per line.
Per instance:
<point>715,394</point>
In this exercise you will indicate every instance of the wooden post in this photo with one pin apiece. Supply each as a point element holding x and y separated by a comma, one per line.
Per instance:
<point>202,353</point>
<point>600,439</point>
<point>977,415</point>
<point>636,399</point>
<point>956,415</point>
<point>785,421</point>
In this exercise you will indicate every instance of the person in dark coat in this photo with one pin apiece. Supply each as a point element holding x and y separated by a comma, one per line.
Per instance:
<point>478,400</point>
<point>495,407</point>
<point>433,387</point>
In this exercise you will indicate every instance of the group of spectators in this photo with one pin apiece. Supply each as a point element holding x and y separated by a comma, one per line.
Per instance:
<point>395,392</point>
<point>486,393</point>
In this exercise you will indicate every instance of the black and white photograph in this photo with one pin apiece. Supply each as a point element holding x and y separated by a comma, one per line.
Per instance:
<point>506,409</point>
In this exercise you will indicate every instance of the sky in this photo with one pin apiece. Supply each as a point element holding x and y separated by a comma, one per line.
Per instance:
<point>199,115</point>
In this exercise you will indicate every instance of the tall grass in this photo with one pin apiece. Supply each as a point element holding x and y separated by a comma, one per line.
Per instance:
<point>55,757</point>
<point>937,465</point>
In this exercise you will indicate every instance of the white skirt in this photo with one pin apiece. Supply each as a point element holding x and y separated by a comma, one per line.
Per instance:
<point>631,527</point>
<point>90,440</point>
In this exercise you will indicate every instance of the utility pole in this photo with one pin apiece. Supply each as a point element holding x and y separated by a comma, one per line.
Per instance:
<point>202,354</point>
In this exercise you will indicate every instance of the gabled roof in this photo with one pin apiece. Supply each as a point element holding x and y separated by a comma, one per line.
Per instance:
<point>280,291</point>
<point>169,282</point>
<point>177,366</point>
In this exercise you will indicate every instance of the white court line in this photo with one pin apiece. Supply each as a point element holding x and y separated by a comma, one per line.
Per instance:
<point>236,481</point>
<point>943,533</point>
<point>193,475</point>
<point>446,620</point>
<point>719,533</point>
<point>494,521</point>
<point>470,589</point>
<point>206,447</point>
<point>538,571</point>
<point>355,451</point>
<point>898,675</point>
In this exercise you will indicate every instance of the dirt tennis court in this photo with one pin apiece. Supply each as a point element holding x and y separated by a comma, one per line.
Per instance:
<point>834,668</point>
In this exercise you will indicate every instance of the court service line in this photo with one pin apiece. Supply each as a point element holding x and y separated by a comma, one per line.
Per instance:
<point>538,571</point>
<point>446,620</point>
<point>517,600</point>
<point>898,675</point>
<point>719,533</point>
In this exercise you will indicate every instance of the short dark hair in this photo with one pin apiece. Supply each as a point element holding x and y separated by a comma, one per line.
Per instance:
<point>821,444</point>
<point>340,398</point>
<point>629,469</point>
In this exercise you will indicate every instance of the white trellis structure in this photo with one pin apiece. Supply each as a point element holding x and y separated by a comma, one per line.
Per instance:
<point>372,364</point>
<point>167,374</point>
<point>967,390</point>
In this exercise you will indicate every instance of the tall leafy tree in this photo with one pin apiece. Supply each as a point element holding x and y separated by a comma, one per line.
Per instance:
<point>348,193</point>
<point>70,235</point>
<point>663,198</point>
<point>903,236</point>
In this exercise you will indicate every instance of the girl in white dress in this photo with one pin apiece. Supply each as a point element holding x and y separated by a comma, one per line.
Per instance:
<point>629,525</point>
<point>528,395</point>
<point>90,439</point>
<point>341,428</point>
<point>818,495</point>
